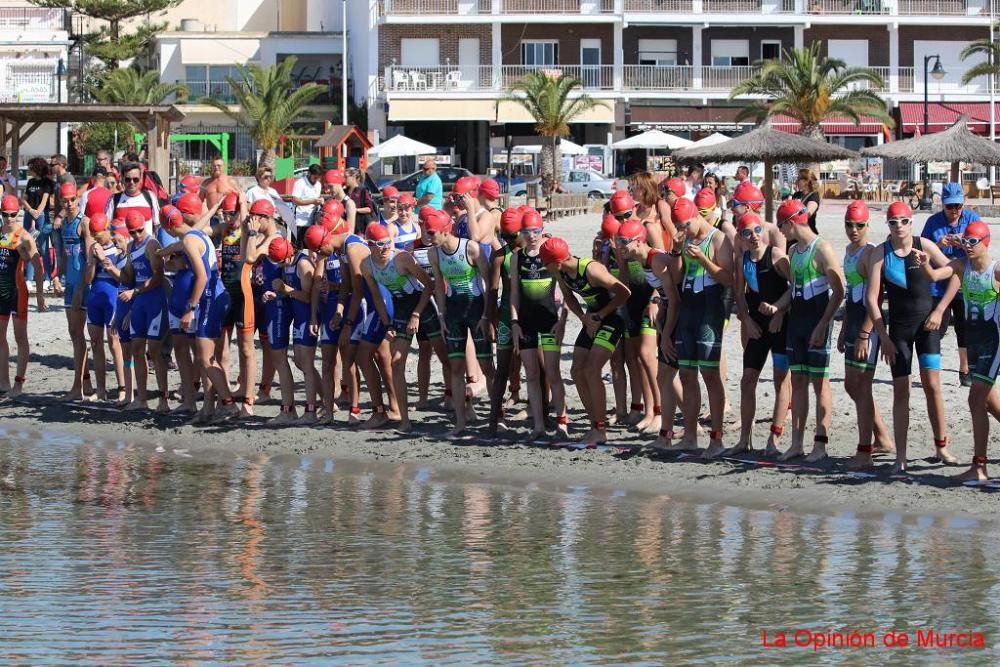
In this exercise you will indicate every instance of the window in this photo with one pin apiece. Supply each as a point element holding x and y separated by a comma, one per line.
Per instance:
<point>419,52</point>
<point>770,49</point>
<point>210,81</point>
<point>658,52</point>
<point>730,52</point>
<point>578,177</point>
<point>540,53</point>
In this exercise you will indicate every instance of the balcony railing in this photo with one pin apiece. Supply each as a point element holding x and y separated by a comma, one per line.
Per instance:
<point>484,78</point>
<point>590,7</point>
<point>33,18</point>
<point>594,77</point>
<point>222,91</point>
<point>649,77</point>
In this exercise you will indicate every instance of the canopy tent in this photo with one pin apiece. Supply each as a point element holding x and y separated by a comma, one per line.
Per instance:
<point>956,144</point>
<point>154,120</point>
<point>566,147</point>
<point>652,140</point>
<point>770,146</point>
<point>400,146</point>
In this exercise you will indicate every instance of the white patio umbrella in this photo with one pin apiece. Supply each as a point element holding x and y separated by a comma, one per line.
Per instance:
<point>566,147</point>
<point>400,146</point>
<point>711,140</point>
<point>652,140</point>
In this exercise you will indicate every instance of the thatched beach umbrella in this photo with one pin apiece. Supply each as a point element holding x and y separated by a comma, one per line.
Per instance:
<point>956,144</point>
<point>770,146</point>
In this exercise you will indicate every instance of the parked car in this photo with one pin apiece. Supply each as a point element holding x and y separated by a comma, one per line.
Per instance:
<point>578,181</point>
<point>448,177</point>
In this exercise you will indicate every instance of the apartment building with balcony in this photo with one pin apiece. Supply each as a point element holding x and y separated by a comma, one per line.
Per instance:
<point>206,42</point>
<point>445,66</point>
<point>33,42</point>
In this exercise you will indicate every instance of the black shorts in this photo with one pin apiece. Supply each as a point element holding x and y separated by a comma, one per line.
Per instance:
<point>984,350</point>
<point>910,336</point>
<point>853,319</point>
<point>698,336</point>
<point>241,315</point>
<point>636,320</point>
<point>802,357</point>
<point>260,317</point>
<point>462,316</point>
<point>402,309</point>
<point>537,327</point>
<point>608,336</point>
<point>14,302</point>
<point>775,344</point>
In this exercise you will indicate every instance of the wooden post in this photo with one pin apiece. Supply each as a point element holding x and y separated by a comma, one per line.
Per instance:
<point>158,138</point>
<point>955,173</point>
<point>15,146</point>
<point>768,191</point>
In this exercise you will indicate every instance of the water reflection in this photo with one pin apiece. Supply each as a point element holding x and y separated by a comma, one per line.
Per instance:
<point>116,553</point>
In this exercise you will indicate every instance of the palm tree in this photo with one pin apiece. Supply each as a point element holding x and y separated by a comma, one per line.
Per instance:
<point>990,50</point>
<point>267,105</point>
<point>552,102</point>
<point>811,88</point>
<point>129,87</point>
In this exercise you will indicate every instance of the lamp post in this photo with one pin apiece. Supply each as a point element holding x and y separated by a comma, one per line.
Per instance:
<point>938,73</point>
<point>60,73</point>
<point>343,59</point>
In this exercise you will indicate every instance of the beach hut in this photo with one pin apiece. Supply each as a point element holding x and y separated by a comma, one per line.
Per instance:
<point>770,146</point>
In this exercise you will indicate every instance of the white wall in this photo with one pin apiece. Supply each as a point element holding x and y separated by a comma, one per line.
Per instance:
<point>325,15</point>
<point>953,65</point>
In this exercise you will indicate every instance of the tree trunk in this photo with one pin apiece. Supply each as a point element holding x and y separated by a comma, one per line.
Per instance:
<point>813,132</point>
<point>548,165</point>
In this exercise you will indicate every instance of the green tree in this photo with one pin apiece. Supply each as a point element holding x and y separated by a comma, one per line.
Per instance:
<point>112,43</point>
<point>266,104</point>
<point>811,88</point>
<point>128,87</point>
<point>553,101</point>
<point>990,50</point>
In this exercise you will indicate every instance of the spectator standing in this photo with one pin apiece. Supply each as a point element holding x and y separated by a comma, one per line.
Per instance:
<point>61,175</point>
<point>306,196</point>
<point>430,190</point>
<point>35,203</point>
<point>263,190</point>
<point>8,180</point>
<point>807,189</point>
<point>946,228</point>
<point>134,196</point>
<point>364,205</point>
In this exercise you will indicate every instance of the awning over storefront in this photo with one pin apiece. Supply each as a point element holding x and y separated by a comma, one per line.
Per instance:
<point>833,125</point>
<point>687,119</point>
<point>942,115</point>
<point>512,112</point>
<point>442,110</point>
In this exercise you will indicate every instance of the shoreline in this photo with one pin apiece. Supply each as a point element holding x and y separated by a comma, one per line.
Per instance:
<point>825,488</point>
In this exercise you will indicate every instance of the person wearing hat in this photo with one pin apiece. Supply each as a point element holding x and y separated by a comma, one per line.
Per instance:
<point>264,190</point>
<point>816,294</point>
<point>498,312</point>
<point>945,228</point>
<point>603,328</point>
<point>860,349</point>
<point>694,325</point>
<point>17,250</point>
<point>759,287</point>
<point>914,324</point>
<point>333,190</point>
<point>979,275</point>
<point>147,317</point>
<point>430,189</point>
<point>103,275</point>
<point>406,313</point>
<point>75,237</point>
<point>605,252</point>
<point>260,229</point>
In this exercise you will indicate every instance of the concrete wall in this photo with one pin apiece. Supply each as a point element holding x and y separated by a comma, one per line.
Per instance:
<point>753,35</point>
<point>877,36</point>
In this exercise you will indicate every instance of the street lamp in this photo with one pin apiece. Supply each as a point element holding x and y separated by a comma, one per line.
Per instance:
<point>60,73</point>
<point>926,202</point>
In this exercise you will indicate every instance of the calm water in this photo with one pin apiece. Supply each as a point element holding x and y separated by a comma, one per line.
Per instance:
<point>113,553</point>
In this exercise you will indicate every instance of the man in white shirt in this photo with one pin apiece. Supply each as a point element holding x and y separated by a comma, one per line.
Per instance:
<point>134,196</point>
<point>306,197</point>
<point>263,190</point>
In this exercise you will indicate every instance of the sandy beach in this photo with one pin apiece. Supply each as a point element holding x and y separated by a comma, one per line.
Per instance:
<point>826,486</point>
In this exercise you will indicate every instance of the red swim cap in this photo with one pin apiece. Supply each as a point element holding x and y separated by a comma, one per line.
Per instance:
<point>376,231</point>
<point>262,207</point>
<point>333,177</point>
<point>532,219</point>
<point>390,192</point>
<point>632,230</point>
<point>99,223</point>
<point>316,236</point>
<point>898,209</point>
<point>466,185</point>
<point>609,226</point>
<point>134,220</point>
<point>749,195</point>
<point>437,221</point>
<point>554,251</point>
<point>510,221</point>
<point>489,189</point>
<point>67,190</point>
<point>230,202</point>
<point>857,211</point>
<point>279,250</point>
<point>170,217</point>
<point>333,208</point>
<point>749,219</point>
<point>674,184</point>
<point>190,204</point>
<point>793,211</point>
<point>622,202</point>
<point>9,204</point>
<point>978,229</point>
<point>683,211</point>
<point>705,199</point>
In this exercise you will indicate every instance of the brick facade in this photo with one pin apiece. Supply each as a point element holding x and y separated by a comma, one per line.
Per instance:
<point>753,35</point>
<point>447,35</point>
<point>568,36</point>
<point>631,37</point>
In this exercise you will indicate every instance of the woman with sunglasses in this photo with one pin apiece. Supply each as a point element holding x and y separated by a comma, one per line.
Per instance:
<point>17,250</point>
<point>537,326</point>
<point>979,277</point>
<point>406,313</point>
<point>75,236</point>
<point>816,294</point>
<point>499,313</point>
<point>695,319</point>
<point>102,275</point>
<point>38,194</point>
<point>406,232</point>
<point>860,349</point>
<point>760,285</point>
<point>914,323</point>
<point>641,311</point>
<point>236,274</point>
<point>147,318</point>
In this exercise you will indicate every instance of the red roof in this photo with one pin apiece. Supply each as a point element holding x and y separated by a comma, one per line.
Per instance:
<point>832,125</point>
<point>942,115</point>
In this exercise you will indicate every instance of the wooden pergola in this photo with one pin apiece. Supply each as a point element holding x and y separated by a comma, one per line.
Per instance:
<point>19,121</point>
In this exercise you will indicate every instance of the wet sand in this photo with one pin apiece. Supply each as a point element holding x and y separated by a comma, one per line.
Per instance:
<point>826,486</point>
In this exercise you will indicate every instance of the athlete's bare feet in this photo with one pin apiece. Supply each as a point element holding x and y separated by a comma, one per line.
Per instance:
<point>594,437</point>
<point>354,418</point>
<point>226,412</point>
<point>899,468</point>
<point>944,455</point>
<point>633,418</point>
<point>687,443</point>
<point>663,440</point>
<point>975,473</point>
<point>378,419</point>
<point>536,436</point>
<point>881,449</point>
<point>715,449</point>
<point>183,409</point>
<point>422,405</point>
<point>654,425</point>
<point>744,445</point>
<point>470,413</point>
<point>861,461</point>
<point>288,415</point>
<point>162,406</point>
<point>794,452</point>
<point>73,396</point>
<point>562,431</point>
<point>137,405</point>
<point>263,395</point>
<point>405,426</point>
<point>818,452</point>
<point>308,417</point>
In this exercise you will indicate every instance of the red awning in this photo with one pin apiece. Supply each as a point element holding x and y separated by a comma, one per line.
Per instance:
<point>942,115</point>
<point>832,125</point>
